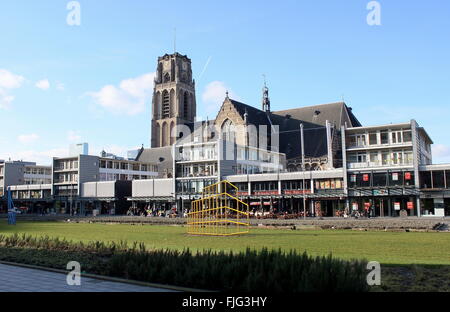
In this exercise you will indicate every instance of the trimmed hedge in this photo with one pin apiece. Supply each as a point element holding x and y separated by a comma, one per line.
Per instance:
<point>267,271</point>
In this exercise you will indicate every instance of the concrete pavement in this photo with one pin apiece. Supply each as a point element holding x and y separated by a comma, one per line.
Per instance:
<point>19,279</point>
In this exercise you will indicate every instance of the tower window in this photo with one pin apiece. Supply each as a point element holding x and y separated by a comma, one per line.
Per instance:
<point>167,77</point>
<point>166,105</point>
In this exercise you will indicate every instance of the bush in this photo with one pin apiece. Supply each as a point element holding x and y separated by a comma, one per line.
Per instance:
<point>259,271</point>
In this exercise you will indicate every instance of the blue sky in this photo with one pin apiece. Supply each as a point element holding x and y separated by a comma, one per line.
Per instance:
<point>62,84</point>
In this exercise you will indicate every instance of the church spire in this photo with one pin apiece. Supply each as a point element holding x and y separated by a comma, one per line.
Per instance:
<point>265,99</point>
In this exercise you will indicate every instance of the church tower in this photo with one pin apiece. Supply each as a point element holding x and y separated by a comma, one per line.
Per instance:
<point>173,98</point>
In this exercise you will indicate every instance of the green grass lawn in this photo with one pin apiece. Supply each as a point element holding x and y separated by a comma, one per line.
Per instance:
<point>385,247</point>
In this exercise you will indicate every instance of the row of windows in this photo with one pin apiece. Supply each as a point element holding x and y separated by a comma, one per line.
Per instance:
<point>37,181</point>
<point>66,190</point>
<point>380,158</point>
<point>435,179</point>
<point>383,137</point>
<point>40,171</point>
<point>293,185</point>
<point>66,165</point>
<point>193,186</point>
<point>197,153</point>
<point>105,164</point>
<point>122,177</point>
<point>381,179</point>
<point>31,194</point>
<point>251,169</point>
<point>66,178</point>
<point>197,170</point>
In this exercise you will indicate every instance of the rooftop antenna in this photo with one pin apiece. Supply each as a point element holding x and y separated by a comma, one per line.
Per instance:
<point>266,99</point>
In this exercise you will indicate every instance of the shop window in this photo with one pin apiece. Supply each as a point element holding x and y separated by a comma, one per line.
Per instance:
<point>438,179</point>
<point>409,178</point>
<point>352,180</point>
<point>425,179</point>
<point>447,178</point>
<point>395,179</point>
<point>380,179</point>
<point>363,180</point>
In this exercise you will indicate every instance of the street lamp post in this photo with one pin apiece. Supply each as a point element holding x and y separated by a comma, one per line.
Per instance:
<point>303,170</point>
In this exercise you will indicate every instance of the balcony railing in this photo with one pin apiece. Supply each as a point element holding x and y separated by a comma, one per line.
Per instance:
<point>377,164</point>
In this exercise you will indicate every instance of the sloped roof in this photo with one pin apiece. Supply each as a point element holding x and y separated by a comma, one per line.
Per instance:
<point>254,116</point>
<point>313,119</point>
<point>336,113</point>
<point>162,156</point>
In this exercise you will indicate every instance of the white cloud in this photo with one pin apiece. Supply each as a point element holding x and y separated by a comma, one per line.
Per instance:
<point>73,136</point>
<point>43,84</point>
<point>28,138</point>
<point>214,95</point>
<point>130,97</point>
<point>8,81</point>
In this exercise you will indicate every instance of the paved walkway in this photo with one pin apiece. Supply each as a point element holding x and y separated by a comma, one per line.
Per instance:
<point>18,279</point>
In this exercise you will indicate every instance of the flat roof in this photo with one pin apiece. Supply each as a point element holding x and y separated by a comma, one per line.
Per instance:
<point>392,125</point>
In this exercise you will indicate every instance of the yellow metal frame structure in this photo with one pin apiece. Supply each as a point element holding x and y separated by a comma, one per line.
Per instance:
<point>218,213</point>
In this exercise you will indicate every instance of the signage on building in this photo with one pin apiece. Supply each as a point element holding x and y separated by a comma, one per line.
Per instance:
<point>266,193</point>
<point>264,203</point>
<point>355,206</point>
<point>407,175</point>
<point>397,206</point>
<point>297,192</point>
<point>380,192</point>
<point>395,176</point>
<point>410,205</point>
<point>366,178</point>
<point>367,206</point>
<point>353,178</point>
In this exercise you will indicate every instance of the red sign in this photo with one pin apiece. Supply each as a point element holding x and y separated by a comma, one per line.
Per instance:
<point>407,175</point>
<point>241,193</point>
<point>367,206</point>
<point>264,203</point>
<point>297,192</point>
<point>366,178</point>
<point>266,193</point>
<point>410,205</point>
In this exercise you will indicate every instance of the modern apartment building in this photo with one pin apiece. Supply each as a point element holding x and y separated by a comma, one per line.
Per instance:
<point>198,165</point>
<point>27,175</point>
<point>69,175</point>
